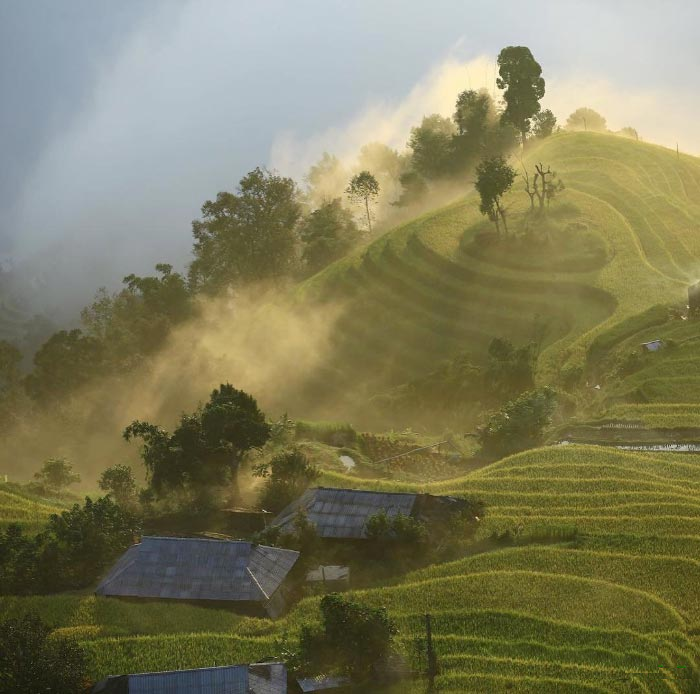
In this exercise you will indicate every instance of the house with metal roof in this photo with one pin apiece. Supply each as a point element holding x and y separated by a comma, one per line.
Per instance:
<point>260,678</point>
<point>251,577</point>
<point>343,513</point>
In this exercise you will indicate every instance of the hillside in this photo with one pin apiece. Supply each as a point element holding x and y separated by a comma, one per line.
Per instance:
<point>622,236</point>
<point>611,607</point>
<point>17,506</point>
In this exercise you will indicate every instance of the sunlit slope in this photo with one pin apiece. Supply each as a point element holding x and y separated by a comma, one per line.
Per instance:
<point>624,235</point>
<point>615,610</point>
<point>30,511</point>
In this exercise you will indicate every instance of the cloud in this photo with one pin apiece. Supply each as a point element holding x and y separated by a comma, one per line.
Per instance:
<point>661,115</point>
<point>386,122</point>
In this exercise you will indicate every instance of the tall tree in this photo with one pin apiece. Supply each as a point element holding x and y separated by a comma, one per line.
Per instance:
<point>67,360</point>
<point>10,360</point>
<point>431,143</point>
<point>364,189</point>
<point>246,236</point>
<point>520,75</point>
<point>56,474</point>
<point>207,446</point>
<point>328,233</point>
<point>544,123</point>
<point>494,178</point>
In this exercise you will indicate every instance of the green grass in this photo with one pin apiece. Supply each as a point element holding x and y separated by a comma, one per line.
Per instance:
<point>20,507</point>
<point>425,291</point>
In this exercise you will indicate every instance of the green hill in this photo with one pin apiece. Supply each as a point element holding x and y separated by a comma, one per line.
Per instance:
<point>622,237</point>
<point>31,511</point>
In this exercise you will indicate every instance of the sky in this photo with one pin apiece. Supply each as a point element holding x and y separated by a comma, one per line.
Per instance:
<point>119,119</point>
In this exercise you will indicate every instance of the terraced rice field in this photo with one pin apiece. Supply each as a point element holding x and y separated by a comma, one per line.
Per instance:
<point>623,236</point>
<point>31,512</point>
<point>615,610</point>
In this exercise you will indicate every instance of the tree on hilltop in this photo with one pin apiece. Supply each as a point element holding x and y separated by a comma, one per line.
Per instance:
<point>56,474</point>
<point>364,189</point>
<point>544,123</point>
<point>431,143</point>
<point>328,233</point>
<point>494,178</point>
<point>586,119</point>
<point>520,75</point>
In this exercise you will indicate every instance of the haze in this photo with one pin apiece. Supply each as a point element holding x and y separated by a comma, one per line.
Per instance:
<point>119,119</point>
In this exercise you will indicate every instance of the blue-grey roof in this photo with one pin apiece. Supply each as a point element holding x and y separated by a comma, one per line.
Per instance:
<point>198,569</point>
<point>261,678</point>
<point>320,684</point>
<point>343,513</point>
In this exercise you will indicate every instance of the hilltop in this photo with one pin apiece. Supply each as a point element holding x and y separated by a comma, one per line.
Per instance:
<point>620,238</point>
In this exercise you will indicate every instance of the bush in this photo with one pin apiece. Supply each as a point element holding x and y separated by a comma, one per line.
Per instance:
<point>287,477</point>
<point>352,640</point>
<point>31,660</point>
<point>519,425</point>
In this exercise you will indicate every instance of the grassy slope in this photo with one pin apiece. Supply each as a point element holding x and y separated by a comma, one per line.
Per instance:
<point>424,291</point>
<point>613,611</point>
<point>17,507</point>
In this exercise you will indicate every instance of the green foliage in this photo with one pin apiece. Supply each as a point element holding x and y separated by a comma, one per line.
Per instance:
<point>544,123</point>
<point>31,660</point>
<point>519,425</point>
<point>55,475</point>
<point>630,132</point>
<point>246,236</point>
<point>586,119</point>
<point>520,75</point>
<point>352,640</point>
<point>328,233</point>
<point>207,446</point>
<point>287,475</point>
<point>331,433</point>
<point>10,359</point>
<point>136,321</point>
<point>431,143</point>
<point>510,370</point>
<point>400,529</point>
<point>363,189</point>
<point>66,361</point>
<point>119,482</point>
<point>414,189</point>
<point>494,178</point>
<point>72,551</point>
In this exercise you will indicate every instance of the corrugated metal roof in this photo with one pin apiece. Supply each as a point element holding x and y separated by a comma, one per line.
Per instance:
<point>329,573</point>
<point>343,513</point>
<point>260,678</point>
<point>320,684</point>
<point>198,569</point>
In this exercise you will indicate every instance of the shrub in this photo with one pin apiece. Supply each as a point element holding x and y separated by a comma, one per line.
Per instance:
<point>31,660</point>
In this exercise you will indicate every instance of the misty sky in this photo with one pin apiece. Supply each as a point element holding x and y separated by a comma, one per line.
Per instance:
<point>118,119</point>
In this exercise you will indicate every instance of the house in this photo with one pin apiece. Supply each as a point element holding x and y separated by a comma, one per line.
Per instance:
<point>260,678</point>
<point>242,574</point>
<point>343,513</point>
<point>653,346</point>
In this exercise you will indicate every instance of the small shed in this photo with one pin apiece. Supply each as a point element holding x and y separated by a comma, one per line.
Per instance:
<point>242,574</point>
<point>653,345</point>
<point>330,576</point>
<point>259,678</point>
<point>337,685</point>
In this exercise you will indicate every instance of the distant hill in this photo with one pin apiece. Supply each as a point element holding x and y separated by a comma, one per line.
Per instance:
<point>624,235</point>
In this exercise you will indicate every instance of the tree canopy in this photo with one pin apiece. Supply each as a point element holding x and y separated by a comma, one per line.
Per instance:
<point>206,447</point>
<point>431,143</point>
<point>494,178</point>
<point>328,233</point>
<point>32,659</point>
<point>544,123</point>
<point>586,119</point>
<point>56,474</point>
<point>364,189</point>
<point>246,236</point>
<point>520,76</point>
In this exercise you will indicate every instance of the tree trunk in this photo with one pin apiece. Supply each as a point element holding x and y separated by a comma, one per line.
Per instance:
<point>500,212</point>
<point>369,220</point>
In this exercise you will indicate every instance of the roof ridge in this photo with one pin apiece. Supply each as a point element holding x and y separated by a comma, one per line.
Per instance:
<point>365,491</point>
<point>195,539</point>
<point>197,669</point>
